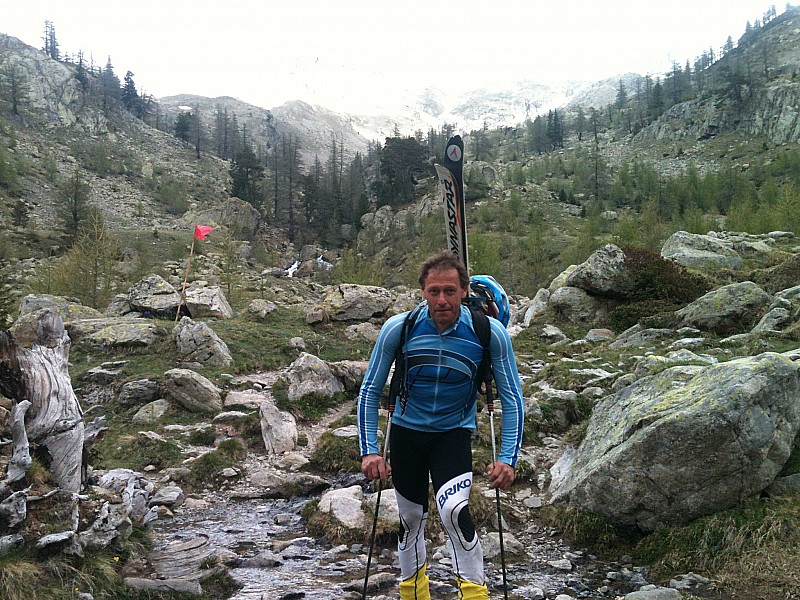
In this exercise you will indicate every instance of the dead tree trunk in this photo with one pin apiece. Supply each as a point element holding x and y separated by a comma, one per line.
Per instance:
<point>54,420</point>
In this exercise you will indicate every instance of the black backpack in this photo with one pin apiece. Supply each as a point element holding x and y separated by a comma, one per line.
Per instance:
<point>398,387</point>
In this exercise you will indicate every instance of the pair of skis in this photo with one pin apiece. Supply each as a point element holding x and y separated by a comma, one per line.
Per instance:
<point>451,185</point>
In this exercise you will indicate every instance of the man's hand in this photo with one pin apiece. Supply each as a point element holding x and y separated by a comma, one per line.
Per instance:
<point>374,467</point>
<point>501,475</point>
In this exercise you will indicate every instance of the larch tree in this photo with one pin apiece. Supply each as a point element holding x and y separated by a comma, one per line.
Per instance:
<point>73,198</point>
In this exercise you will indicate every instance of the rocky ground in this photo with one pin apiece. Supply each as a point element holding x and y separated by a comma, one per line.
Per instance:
<point>265,545</point>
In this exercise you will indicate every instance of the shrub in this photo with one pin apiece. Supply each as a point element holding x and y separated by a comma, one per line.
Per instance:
<point>657,286</point>
<point>654,276</point>
<point>354,268</point>
<point>779,277</point>
<point>172,195</point>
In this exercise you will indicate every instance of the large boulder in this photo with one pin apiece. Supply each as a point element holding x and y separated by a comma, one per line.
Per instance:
<point>309,375</point>
<point>686,442</point>
<point>345,506</point>
<point>269,483</point>
<point>138,392</point>
<point>602,274</point>
<point>68,309</point>
<point>121,333</point>
<point>207,301</point>
<point>351,302</point>
<point>733,308</point>
<point>33,306</point>
<point>197,342</point>
<point>704,252</point>
<point>239,216</point>
<point>192,391</point>
<point>578,306</point>
<point>278,429</point>
<point>153,295</point>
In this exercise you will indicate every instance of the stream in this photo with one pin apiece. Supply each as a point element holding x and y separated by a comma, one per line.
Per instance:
<point>275,559</point>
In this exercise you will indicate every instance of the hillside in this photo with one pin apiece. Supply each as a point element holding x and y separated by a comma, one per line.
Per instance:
<point>739,111</point>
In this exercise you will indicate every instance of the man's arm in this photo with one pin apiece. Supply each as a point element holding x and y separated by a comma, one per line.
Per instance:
<point>509,390</point>
<point>380,363</point>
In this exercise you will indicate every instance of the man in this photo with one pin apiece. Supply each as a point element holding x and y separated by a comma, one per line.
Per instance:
<point>431,435</point>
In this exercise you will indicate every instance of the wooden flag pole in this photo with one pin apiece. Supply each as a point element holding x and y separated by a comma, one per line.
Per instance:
<point>185,279</point>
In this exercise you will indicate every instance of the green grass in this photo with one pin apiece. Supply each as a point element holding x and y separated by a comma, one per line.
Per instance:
<point>123,447</point>
<point>208,467</point>
<point>334,453</point>
<point>751,552</point>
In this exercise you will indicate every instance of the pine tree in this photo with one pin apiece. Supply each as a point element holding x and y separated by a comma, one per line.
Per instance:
<point>87,270</point>
<point>622,96</point>
<point>13,87</point>
<point>50,42</point>
<point>130,97</point>
<point>183,126</point>
<point>109,87</point>
<point>246,175</point>
<point>80,72</point>
<point>580,123</point>
<point>73,198</point>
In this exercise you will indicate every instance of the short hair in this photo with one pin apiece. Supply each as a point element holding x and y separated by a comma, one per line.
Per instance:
<point>442,261</point>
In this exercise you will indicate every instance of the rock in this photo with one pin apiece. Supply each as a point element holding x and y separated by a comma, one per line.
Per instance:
<point>309,375</point>
<point>197,342</point>
<point>560,279</point>
<point>151,412</point>
<point>278,429</point>
<point>776,319</point>
<point>246,398</point>
<point>351,302</point>
<point>350,373</point>
<point>363,331</point>
<point>164,585</point>
<point>602,274</point>
<point>388,509</point>
<point>105,374</point>
<point>169,495</point>
<point>69,309</point>
<point>261,308</point>
<point>733,308</point>
<point>599,335</point>
<point>491,544</point>
<point>234,213</point>
<point>207,301</point>
<point>125,333</point>
<point>637,336</point>
<point>135,393</point>
<point>344,505</point>
<point>701,252</point>
<point>578,306</point>
<point>154,295</point>
<point>654,594</point>
<point>537,307</point>
<point>686,442</point>
<point>192,391</point>
<point>272,484</point>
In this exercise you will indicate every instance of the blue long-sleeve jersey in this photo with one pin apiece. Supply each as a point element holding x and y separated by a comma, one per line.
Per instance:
<point>441,380</point>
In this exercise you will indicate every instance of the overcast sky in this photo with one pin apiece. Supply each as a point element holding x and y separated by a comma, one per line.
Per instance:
<point>353,55</point>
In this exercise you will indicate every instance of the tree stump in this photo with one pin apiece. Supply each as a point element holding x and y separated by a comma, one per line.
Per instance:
<point>53,420</point>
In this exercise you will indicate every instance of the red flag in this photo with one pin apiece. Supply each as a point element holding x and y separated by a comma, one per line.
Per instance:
<point>201,231</point>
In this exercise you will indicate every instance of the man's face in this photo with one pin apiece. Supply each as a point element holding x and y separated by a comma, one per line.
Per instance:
<point>443,293</point>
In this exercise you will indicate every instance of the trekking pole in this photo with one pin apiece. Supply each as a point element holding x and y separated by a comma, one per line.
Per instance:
<point>378,500</point>
<point>490,408</point>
